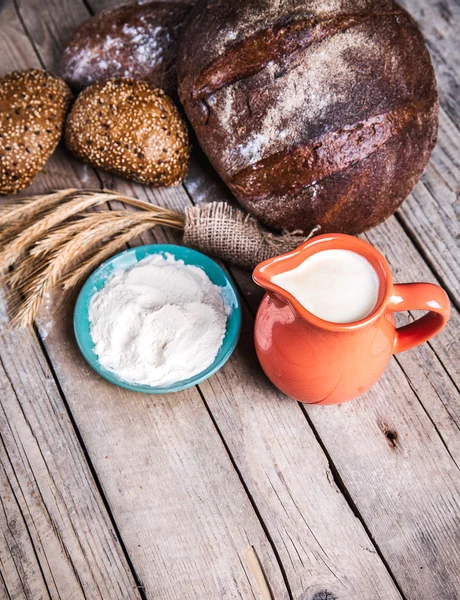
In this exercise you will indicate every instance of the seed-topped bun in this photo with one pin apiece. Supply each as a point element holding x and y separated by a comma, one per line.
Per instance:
<point>131,129</point>
<point>33,106</point>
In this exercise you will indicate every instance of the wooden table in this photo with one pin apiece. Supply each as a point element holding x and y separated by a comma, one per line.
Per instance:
<point>109,494</point>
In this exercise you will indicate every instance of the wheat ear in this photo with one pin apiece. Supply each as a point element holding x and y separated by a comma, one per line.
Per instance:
<point>50,268</point>
<point>50,273</point>
<point>14,250</point>
<point>53,241</point>
<point>14,218</point>
<point>31,206</point>
<point>102,224</point>
<point>67,230</point>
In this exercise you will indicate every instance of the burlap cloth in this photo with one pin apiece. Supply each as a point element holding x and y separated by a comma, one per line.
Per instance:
<point>219,229</point>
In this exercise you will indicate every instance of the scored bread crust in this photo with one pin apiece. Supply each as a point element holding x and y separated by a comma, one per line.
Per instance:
<point>313,112</point>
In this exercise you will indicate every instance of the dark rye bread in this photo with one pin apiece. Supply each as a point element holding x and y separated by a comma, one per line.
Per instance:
<point>313,112</point>
<point>131,40</point>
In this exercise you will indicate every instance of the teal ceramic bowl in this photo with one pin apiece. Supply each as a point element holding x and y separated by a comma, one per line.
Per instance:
<point>129,258</point>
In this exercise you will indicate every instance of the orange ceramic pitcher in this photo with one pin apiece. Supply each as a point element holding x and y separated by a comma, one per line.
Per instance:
<point>320,362</point>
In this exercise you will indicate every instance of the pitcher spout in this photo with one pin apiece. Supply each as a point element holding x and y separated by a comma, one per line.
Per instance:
<point>266,270</point>
<point>265,275</point>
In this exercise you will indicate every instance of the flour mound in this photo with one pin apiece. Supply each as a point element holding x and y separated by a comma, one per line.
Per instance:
<point>158,322</point>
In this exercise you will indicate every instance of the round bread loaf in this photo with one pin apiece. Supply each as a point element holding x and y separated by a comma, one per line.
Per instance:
<point>312,111</point>
<point>131,40</point>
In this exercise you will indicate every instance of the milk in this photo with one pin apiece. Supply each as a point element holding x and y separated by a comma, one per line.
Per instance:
<point>339,286</point>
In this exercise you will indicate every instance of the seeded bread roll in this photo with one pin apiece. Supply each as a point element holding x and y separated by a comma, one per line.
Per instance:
<point>131,129</point>
<point>33,107</point>
<point>131,40</point>
<point>312,111</point>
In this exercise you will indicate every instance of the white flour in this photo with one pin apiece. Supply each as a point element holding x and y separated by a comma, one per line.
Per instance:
<point>158,322</point>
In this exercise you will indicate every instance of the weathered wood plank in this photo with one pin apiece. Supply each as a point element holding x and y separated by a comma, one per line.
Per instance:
<point>310,571</point>
<point>439,24</point>
<point>19,568</point>
<point>64,543</point>
<point>179,505</point>
<point>429,216</point>
<point>431,213</point>
<point>403,482</point>
<point>56,539</point>
<point>291,482</point>
<point>433,369</point>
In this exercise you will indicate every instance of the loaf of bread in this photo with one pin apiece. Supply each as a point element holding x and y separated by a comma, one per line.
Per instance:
<point>314,112</point>
<point>131,40</point>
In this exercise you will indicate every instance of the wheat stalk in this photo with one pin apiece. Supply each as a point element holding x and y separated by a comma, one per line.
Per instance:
<point>57,236</point>
<point>16,248</point>
<point>31,206</point>
<point>54,241</point>
<point>50,271</point>
<point>254,566</point>
<point>67,231</point>
<point>16,217</point>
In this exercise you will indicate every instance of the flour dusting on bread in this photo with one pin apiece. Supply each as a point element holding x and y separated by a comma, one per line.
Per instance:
<point>127,41</point>
<point>305,94</point>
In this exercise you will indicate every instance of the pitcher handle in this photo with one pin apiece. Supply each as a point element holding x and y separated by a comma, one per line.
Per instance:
<point>419,296</point>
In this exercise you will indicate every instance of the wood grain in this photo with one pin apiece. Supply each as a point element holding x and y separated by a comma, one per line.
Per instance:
<point>21,576</point>
<point>403,481</point>
<point>430,215</point>
<point>179,505</point>
<point>292,484</point>
<point>56,539</point>
<point>391,454</point>
<point>432,369</point>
